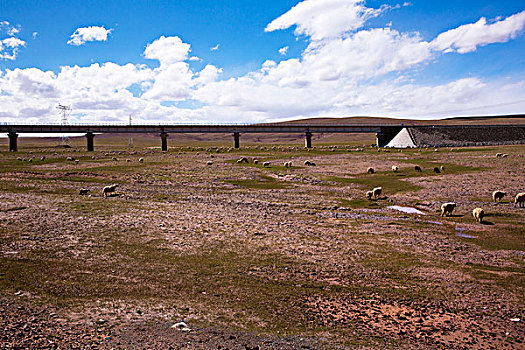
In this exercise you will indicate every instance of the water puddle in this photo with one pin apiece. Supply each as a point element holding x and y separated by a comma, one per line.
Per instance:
<point>464,235</point>
<point>460,228</point>
<point>435,222</point>
<point>408,210</point>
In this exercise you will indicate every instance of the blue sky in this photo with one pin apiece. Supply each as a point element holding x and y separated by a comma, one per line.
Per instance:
<point>224,61</point>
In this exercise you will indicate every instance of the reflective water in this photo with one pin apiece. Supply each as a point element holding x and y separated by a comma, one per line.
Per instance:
<point>464,235</point>
<point>408,210</point>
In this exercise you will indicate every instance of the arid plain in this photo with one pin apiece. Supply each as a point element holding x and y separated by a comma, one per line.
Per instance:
<point>254,257</point>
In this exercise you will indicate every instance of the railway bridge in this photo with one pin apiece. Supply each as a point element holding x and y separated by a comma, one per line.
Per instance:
<point>384,132</point>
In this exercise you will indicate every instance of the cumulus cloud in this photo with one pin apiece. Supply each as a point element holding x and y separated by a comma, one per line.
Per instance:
<point>322,19</point>
<point>10,46</point>
<point>469,37</point>
<point>167,50</point>
<point>88,34</point>
<point>283,50</point>
<point>346,69</point>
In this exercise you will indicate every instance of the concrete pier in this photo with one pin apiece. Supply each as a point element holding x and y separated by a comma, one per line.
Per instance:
<point>13,141</point>
<point>164,141</point>
<point>236,140</point>
<point>90,143</point>
<point>308,139</point>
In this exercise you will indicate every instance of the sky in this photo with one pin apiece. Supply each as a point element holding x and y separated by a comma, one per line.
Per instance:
<point>245,61</point>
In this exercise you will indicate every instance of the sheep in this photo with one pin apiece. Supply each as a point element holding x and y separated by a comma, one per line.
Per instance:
<point>478,214</point>
<point>19,159</point>
<point>505,155</point>
<point>70,159</point>
<point>266,164</point>
<point>42,158</point>
<point>255,161</point>
<point>109,189</point>
<point>209,162</point>
<point>83,191</point>
<point>115,159</point>
<point>128,160</point>
<point>77,161</point>
<point>369,194</point>
<point>436,170</point>
<point>520,199</point>
<point>499,155</point>
<point>442,168</point>
<point>242,160</point>
<point>418,168</point>
<point>447,208</point>
<point>395,168</point>
<point>309,163</point>
<point>370,170</point>
<point>376,192</point>
<point>141,160</point>
<point>498,195</point>
<point>93,157</point>
<point>286,164</point>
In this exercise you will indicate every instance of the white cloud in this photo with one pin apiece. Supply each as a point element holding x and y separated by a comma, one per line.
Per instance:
<point>283,50</point>
<point>321,19</point>
<point>10,46</point>
<point>167,50</point>
<point>215,48</point>
<point>88,34</point>
<point>469,37</point>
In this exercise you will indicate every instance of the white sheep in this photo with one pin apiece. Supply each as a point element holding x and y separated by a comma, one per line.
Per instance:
<point>141,160</point>
<point>115,159</point>
<point>520,199</point>
<point>447,208</point>
<point>498,195</point>
<point>209,162</point>
<point>266,164</point>
<point>286,164</point>
<point>376,192</point>
<point>395,168</point>
<point>255,161</point>
<point>370,170</point>
<point>478,214</point>
<point>109,189</point>
<point>442,168</point>
<point>499,155</point>
<point>43,158</point>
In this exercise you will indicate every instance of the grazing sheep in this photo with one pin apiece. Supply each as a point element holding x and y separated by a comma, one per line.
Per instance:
<point>128,160</point>
<point>369,194</point>
<point>77,161</point>
<point>436,170</point>
<point>19,159</point>
<point>520,199</point>
<point>93,157</point>
<point>478,214</point>
<point>286,164</point>
<point>436,150</point>
<point>209,162</point>
<point>266,164</point>
<point>499,155</point>
<point>376,192</point>
<point>70,159</point>
<point>418,168</point>
<point>370,170</point>
<point>309,163</point>
<point>83,191</point>
<point>442,168</point>
<point>498,195</point>
<point>255,161</point>
<point>141,160</point>
<point>115,159</point>
<point>109,189</point>
<point>395,168</point>
<point>43,158</point>
<point>505,155</point>
<point>243,160</point>
<point>447,208</point>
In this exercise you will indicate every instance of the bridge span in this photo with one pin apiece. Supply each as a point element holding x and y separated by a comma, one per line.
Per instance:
<point>384,132</point>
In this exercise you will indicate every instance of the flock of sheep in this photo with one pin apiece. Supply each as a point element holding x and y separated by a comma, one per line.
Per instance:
<point>447,208</point>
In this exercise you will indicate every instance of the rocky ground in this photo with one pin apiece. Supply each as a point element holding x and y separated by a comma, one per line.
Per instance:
<point>253,257</point>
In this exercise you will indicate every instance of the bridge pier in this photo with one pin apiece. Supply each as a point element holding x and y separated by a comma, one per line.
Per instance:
<point>308,139</point>
<point>90,143</point>
<point>13,141</point>
<point>236,140</point>
<point>164,141</point>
